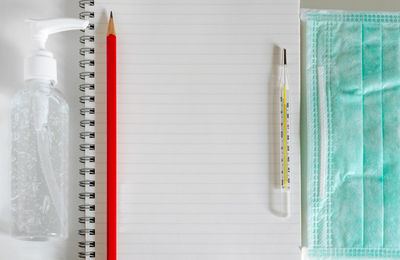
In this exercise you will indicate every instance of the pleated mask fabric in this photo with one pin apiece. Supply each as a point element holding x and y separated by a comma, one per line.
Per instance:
<point>353,133</point>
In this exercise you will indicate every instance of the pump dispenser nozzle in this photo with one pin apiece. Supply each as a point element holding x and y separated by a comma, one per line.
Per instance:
<point>41,64</point>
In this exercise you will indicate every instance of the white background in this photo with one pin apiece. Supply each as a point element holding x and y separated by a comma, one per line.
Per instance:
<point>14,45</point>
<point>371,5</point>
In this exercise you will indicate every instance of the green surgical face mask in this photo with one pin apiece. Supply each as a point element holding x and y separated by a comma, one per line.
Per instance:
<point>353,133</point>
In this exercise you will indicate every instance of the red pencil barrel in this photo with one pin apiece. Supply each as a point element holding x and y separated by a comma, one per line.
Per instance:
<point>111,147</point>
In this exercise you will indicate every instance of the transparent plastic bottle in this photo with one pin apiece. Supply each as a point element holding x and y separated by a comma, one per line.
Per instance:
<point>40,127</point>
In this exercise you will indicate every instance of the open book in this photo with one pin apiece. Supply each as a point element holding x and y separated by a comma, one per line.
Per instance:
<point>198,129</point>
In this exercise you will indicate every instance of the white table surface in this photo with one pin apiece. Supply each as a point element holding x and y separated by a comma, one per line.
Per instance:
<point>369,5</point>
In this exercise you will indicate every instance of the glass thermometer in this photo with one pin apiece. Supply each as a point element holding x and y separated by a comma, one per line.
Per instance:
<point>285,132</point>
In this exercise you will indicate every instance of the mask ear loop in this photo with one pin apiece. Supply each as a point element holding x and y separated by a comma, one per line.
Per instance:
<point>323,129</point>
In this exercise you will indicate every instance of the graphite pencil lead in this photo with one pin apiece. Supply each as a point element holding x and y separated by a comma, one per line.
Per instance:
<point>111,27</point>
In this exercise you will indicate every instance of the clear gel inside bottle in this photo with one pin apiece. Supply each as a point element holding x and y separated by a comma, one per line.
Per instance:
<point>40,127</point>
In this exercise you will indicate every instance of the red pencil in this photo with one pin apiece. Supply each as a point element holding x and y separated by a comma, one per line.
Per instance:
<point>111,141</point>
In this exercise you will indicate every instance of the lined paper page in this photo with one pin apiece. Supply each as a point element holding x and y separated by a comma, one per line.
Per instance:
<point>198,129</point>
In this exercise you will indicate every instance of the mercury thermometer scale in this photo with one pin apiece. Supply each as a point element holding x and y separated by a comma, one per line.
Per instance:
<point>284,127</point>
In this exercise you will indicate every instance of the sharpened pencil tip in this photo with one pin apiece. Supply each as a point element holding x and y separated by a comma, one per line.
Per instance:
<point>111,28</point>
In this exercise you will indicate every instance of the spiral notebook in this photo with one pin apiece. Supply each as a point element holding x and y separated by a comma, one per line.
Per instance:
<point>198,129</point>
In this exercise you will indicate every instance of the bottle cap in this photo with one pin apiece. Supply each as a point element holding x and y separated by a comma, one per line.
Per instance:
<point>41,64</point>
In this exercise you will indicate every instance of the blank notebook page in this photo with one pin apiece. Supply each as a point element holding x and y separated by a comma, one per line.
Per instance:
<point>198,129</point>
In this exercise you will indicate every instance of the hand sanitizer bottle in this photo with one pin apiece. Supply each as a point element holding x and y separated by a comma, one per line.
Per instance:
<point>40,127</point>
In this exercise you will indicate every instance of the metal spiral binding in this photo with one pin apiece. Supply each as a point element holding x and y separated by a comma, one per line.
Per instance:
<point>87,134</point>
